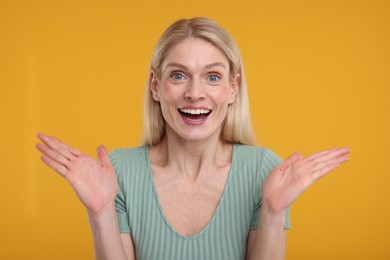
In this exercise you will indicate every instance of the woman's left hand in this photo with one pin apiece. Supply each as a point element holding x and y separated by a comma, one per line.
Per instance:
<point>291,178</point>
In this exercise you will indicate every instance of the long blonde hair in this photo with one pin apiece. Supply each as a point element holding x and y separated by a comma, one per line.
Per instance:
<point>237,127</point>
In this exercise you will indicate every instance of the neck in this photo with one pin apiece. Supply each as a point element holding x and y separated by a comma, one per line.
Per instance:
<point>192,158</point>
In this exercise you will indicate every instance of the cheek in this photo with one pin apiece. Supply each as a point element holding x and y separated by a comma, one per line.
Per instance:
<point>168,101</point>
<point>221,96</point>
<point>170,94</point>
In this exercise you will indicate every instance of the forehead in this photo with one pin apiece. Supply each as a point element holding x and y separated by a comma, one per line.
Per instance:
<point>195,53</point>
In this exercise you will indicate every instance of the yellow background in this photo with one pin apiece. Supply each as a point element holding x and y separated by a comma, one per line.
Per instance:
<point>318,75</point>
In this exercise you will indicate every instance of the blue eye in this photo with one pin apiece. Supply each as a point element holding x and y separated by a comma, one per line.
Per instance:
<point>177,76</point>
<point>213,78</point>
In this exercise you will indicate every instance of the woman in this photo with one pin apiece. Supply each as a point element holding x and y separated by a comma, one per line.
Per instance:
<point>197,186</point>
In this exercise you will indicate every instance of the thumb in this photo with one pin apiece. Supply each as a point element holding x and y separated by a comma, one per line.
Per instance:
<point>102,154</point>
<point>292,158</point>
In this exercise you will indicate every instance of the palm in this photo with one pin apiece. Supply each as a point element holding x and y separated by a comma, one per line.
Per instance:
<point>94,182</point>
<point>290,179</point>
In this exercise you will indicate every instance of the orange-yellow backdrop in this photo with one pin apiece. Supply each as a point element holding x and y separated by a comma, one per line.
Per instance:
<point>318,74</point>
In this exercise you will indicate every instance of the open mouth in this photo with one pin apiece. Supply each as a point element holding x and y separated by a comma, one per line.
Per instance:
<point>194,114</point>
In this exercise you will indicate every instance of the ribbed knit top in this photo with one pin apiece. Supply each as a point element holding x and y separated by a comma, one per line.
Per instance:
<point>139,211</point>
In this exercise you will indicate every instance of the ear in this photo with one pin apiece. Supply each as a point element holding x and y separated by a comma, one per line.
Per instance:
<point>154,86</point>
<point>235,88</point>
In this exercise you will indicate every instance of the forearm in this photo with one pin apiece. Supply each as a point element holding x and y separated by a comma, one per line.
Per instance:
<point>270,242</point>
<point>106,236</point>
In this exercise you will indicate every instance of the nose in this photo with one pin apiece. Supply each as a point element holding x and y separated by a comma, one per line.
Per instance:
<point>195,91</point>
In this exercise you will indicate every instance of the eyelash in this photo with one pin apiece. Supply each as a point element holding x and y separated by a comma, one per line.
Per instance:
<point>213,75</point>
<point>208,78</point>
<point>174,74</point>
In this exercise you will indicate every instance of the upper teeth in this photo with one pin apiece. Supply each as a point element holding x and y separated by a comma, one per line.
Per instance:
<point>194,111</point>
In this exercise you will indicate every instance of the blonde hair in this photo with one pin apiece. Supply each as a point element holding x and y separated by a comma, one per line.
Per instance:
<point>237,127</point>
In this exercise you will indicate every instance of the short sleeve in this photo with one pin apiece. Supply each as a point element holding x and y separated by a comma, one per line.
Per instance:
<point>269,161</point>
<point>120,200</point>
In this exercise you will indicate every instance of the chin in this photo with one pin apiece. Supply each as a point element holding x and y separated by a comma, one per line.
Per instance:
<point>198,136</point>
<point>193,133</point>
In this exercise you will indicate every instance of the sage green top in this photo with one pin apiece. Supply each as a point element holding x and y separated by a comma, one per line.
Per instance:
<point>139,211</point>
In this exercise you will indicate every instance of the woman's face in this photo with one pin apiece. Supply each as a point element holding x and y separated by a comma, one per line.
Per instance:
<point>194,89</point>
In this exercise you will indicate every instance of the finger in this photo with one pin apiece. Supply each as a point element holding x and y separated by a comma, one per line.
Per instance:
<point>54,165</point>
<point>331,154</point>
<point>53,155</point>
<point>292,158</point>
<point>324,170</point>
<point>316,155</point>
<point>71,149</point>
<point>103,156</point>
<point>58,146</point>
<point>330,166</point>
<point>55,145</point>
<point>337,160</point>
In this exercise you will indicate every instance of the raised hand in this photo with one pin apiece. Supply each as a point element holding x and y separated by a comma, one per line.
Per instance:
<point>291,178</point>
<point>94,182</point>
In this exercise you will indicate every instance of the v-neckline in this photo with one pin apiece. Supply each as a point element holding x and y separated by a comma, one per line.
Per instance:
<point>217,210</point>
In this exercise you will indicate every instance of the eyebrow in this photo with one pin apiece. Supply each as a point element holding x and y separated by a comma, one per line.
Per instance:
<point>215,64</point>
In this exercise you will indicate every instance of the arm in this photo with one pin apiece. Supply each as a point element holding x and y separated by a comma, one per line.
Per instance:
<point>108,242</point>
<point>95,183</point>
<point>269,241</point>
<point>279,239</point>
<point>281,188</point>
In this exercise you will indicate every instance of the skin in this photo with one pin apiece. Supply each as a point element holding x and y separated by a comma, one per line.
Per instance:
<point>190,165</point>
<point>196,160</point>
<point>199,78</point>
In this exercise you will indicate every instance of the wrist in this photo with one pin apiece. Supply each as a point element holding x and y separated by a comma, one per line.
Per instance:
<point>107,212</point>
<point>269,215</point>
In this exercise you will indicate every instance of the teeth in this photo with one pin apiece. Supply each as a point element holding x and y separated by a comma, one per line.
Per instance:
<point>194,111</point>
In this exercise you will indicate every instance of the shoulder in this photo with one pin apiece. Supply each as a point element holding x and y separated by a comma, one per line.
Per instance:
<point>127,153</point>
<point>249,153</point>
<point>260,159</point>
<point>124,159</point>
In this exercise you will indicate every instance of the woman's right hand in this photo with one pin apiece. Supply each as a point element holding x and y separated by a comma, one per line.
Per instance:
<point>94,182</point>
